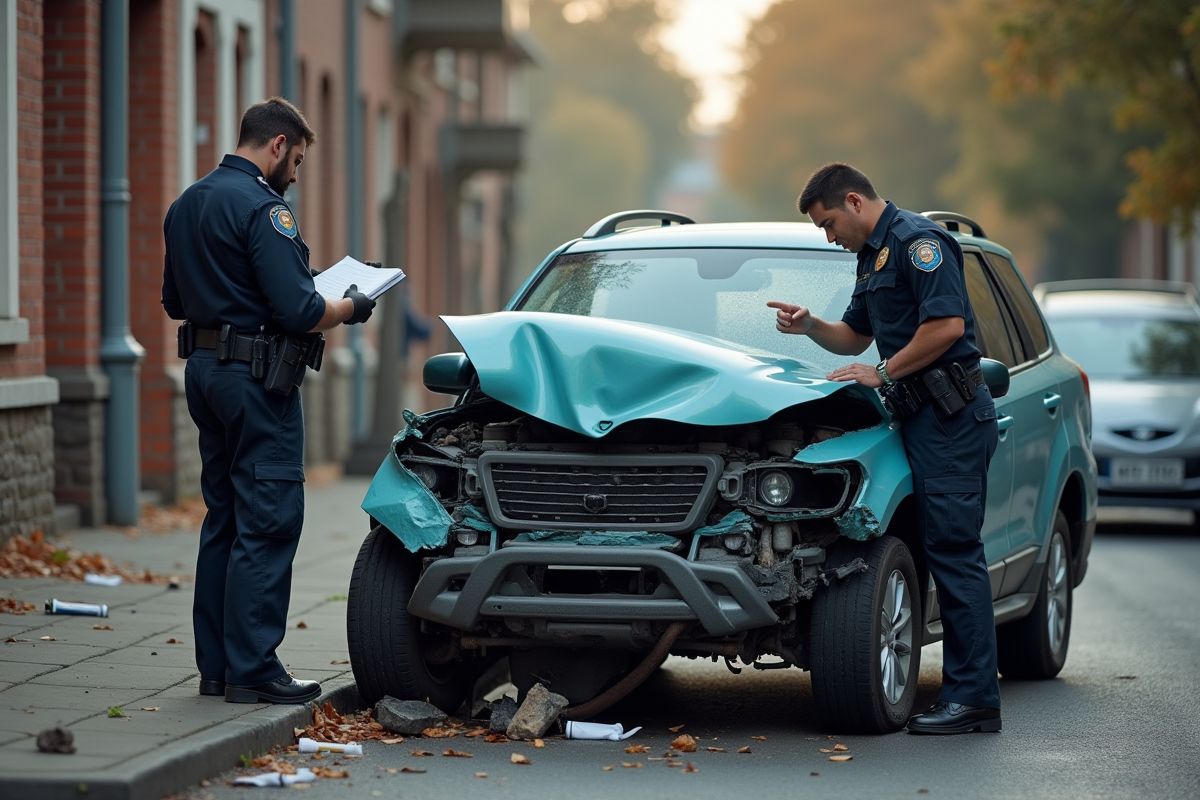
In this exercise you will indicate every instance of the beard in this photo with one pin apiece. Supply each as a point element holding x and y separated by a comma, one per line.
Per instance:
<point>279,180</point>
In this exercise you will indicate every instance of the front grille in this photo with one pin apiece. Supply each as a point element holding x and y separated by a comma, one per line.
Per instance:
<point>550,491</point>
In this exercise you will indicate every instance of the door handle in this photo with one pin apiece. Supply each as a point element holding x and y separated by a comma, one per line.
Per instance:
<point>1003,424</point>
<point>1052,401</point>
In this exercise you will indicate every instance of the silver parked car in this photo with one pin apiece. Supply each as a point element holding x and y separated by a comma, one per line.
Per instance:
<point>1139,343</point>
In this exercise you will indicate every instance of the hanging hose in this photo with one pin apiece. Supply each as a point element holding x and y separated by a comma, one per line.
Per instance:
<point>631,681</point>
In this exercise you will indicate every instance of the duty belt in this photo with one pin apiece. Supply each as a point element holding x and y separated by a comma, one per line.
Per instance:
<point>949,386</point>
<point>974,379</point>
<point>240,349</point>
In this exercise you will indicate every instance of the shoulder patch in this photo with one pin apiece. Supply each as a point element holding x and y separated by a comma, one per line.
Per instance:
<point>282,221</point>
<point>882,258</point>
<point>925,254</point>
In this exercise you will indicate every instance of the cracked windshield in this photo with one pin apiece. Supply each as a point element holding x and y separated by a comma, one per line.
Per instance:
<point>721,293</point>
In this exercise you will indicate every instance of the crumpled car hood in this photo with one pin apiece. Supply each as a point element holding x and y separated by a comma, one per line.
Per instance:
<point>591,375</point>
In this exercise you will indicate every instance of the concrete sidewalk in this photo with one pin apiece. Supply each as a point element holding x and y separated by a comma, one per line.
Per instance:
<point>73,680</point>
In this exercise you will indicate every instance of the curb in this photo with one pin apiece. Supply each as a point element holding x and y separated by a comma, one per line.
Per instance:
<point>184,762</point>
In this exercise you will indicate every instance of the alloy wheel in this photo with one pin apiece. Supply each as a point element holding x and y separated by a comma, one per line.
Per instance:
<point>895,637</point>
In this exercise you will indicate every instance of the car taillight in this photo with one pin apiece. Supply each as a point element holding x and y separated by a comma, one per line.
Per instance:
<point>1087,386</point>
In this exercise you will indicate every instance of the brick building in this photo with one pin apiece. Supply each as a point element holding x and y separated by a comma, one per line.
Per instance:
<point>415,171</point>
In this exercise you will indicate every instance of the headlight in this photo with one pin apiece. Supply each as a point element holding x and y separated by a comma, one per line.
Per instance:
<point>427,474</point>
<point>775,488</point>
<point>467,538</point>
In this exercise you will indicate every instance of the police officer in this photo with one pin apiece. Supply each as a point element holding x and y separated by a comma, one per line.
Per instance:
<point>236,269</point>
<point>911,299</point>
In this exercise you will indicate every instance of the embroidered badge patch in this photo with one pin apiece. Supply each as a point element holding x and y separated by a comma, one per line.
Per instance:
<point>282,219</point>
<point>925,254</point>
<point>882,258</point>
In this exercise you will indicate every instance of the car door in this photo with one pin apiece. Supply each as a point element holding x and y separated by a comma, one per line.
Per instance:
<point>993,338</point>
<point>1036,407</point>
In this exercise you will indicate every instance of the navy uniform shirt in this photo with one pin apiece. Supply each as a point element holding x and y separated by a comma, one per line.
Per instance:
<point>910,270</point>
<point>235,256</point>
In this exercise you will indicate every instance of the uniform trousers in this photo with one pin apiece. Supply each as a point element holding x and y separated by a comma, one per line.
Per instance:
<point>949,459</point>
<point>252,448</point>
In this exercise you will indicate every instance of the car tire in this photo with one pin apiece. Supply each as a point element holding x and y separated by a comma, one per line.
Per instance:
<point>865,638</point>
<point>1035,646</point>
<point>385,641</point>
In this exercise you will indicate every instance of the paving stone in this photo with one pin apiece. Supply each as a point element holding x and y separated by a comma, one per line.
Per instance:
<point>31,724</point>
<point>60,653</point>
<point>111,676</point>
<point>536,714</point>
<point>503,711</point>
<point>20,672</point>
<point>77,698</point>
<point>407,717</point>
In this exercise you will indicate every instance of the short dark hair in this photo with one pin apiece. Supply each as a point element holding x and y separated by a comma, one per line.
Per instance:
<point>831,183</point>
<point>263,121</point>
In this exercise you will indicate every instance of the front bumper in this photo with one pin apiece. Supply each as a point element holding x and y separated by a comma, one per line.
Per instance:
<point>720,597</point>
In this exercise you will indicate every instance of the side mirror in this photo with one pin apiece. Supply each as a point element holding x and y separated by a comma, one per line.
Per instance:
<point>448,373</point>
<point>995,375</point>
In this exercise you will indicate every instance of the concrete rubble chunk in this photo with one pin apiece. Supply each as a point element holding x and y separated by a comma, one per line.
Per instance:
<point>56,740</point>
<point>503,711</point>
<point>536,714</point>
<point>408,717</point>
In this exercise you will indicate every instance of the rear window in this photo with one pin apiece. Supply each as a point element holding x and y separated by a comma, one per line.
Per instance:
<point>1129,341</point>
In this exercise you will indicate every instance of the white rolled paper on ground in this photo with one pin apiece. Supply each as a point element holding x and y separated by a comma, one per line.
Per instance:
<point>102,580</point>
<point>307,745</point>
<point>596,730</point>
<point>303,775</point>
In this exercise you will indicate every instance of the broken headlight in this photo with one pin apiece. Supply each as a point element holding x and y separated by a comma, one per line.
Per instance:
<point>427,475</point>
<point>775,488</point>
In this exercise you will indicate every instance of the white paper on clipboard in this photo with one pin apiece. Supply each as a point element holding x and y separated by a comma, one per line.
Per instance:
<point>371,281</point>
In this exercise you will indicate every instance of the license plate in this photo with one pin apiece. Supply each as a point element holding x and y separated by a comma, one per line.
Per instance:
<point>1147,472</point>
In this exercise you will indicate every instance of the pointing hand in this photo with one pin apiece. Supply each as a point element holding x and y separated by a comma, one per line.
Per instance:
<point>790,318</point>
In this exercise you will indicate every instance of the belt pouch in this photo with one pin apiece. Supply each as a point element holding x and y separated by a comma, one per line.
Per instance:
<point>962,382</point>
<point>259,352</point>
<point>226,342</point>
<point>316,352</point>
<point>185,340</point>
<point>945,397</point>
<point>285,358</point>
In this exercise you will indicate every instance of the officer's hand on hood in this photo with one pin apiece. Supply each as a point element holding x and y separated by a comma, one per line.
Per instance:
<point>363,305</point>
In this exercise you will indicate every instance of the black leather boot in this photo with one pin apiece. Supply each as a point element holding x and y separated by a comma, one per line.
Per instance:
<point>211,688</point>
<point>944,717</point>
<point>285,690</point>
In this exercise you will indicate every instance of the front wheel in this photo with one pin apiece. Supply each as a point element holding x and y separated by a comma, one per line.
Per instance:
<point>388,648</point>
<point>1035,646</point>
<point>866,640</point>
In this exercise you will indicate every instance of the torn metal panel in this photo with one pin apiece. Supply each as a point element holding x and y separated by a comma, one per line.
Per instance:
<point>660,541</point>
<point>401,503</point>
<point>732,523</point>
<point>859,523</point>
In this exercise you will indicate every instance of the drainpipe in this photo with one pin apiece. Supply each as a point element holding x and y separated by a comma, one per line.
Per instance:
<point>120,353</point>
<point>287,50</point>
<point>354,226</point>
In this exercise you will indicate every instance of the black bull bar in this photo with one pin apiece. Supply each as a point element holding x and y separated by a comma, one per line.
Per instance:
<point>721,598</point>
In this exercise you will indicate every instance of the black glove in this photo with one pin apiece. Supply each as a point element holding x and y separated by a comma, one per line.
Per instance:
<point>363,305</point>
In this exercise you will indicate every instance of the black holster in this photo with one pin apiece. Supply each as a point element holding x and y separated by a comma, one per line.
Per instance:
<point>185,340</point>
<point>287,358</point>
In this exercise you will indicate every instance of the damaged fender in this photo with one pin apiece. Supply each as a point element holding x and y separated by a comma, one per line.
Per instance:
<point>399,501</point>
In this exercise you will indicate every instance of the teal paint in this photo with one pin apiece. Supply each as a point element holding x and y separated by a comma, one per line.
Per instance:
<point>399,501</point>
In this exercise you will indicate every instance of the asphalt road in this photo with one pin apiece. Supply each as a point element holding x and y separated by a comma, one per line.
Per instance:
<point>1121,721</point>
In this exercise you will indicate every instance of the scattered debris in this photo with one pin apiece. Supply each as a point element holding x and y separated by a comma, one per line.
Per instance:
<point>596,730</point>
<point>609,768</point>
<point>517,758</point>
<point>456,754</point>
<point>150,708</point>
<point>495,738</point>
<point>539,743</point>
<point>674,763</point>
<point>814,774</point>
<point>536,714</point>
<point>330,726</point>
<point>396,740</point>
<point>676,729</point>
<point>307,745</point>
<point>34,557</point>
<point>56,606</point>
<point>684,744</point>
<point>408,717</point>
<point>840,748</point>
<point>439,733</point>
<point>330,772</point>
<point>840,758</point>
<point>301,624</point>
<point>1127,677</point>
<point>420,753</point>
<point>56,740</point>
<point>480,774</point>
<point>340,661</point>
<point>10,605</point>
<point>503,711</point>
<point>414,770</point>
<point>102,580</point>
<point>102,627</point>
<point>690,768</point>
<point>759,738</point>
<point>47,639</point>
<point>716,749</point>
<point>303,775</point>
<point>745,749</point>
<point>634,765</point>
<point>637,748</point>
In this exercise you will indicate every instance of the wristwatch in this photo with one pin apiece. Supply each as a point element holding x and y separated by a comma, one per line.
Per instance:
<point>881,368</point>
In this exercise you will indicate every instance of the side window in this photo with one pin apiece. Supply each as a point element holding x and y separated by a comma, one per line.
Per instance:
<point>991,334</point>
<point>1022,301</point>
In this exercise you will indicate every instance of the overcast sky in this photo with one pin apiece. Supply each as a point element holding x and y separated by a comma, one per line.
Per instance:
<point>707,39</point>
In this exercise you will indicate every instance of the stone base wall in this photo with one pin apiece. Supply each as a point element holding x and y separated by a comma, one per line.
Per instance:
<point>26,471</point>
<point>79,458</point>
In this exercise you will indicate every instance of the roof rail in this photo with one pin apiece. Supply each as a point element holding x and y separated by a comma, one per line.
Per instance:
<point>954,222</point>
<point>609,224</point>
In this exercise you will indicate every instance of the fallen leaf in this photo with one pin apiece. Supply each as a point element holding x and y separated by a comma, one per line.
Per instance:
<point>302,624</point>
<point>102,627</point>
<point>653,758</point>
<point>824,749</point>
<point>495,738</point>
<point>840,748</point>
<point>149,708</point>
<point>390,770</point>
<point>375,726</point>
<point>628,765</point>
<point>480,774</point>
<point>397,740</point>
<point>413,770</point>
<point>262,761</point>
<point>539,743</point>
<point>684,744</point>
<point>47,639</point>
<point>669,754</point>
<point>609,768</point>
<point>745,749</point>
<point>330,772</point>
<point>420,753</point>
<point>676,729</point>
<point>298,732</point>
<point>637,748</point>
<point>318,756</point>
<point>340,661</point>
<point>284,767</point>
<point>716,749</point>
<point>759,738</point>
<point>517,758</point>
<point>351,755</point>
<point>1119,677</point>
<point>690,768</point>
<point>674,763</point>
<point>814,774</point>
<point>476,732</point>
<point>456,754</point>
<point>13,639</point>
<point>840,758</point>
<point>438,733</point>
<point>173,640</point>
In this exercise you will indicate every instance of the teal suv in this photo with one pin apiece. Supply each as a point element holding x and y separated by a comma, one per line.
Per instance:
<point>637,464</point>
